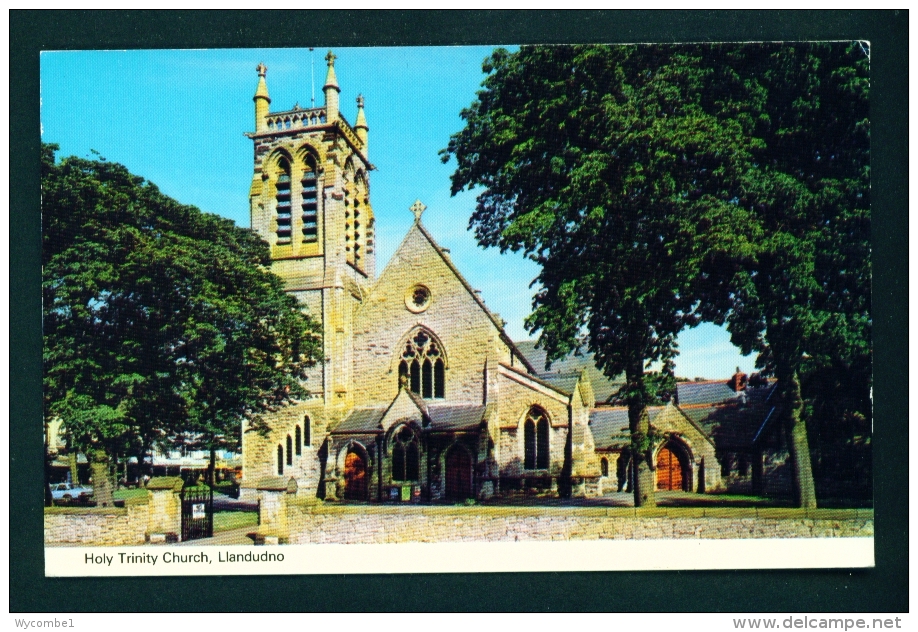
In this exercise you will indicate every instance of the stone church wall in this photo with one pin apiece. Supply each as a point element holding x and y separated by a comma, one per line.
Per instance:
<point>514,402</point>
<point>260,453</point>
<point>383,322</point>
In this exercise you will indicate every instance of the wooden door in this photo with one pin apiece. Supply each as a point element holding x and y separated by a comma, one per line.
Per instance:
<point>458,474</point>
<point>355,477</point>
<point>669,470</point>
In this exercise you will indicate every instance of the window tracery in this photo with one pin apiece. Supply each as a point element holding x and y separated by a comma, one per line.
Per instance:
<point>422,369</point>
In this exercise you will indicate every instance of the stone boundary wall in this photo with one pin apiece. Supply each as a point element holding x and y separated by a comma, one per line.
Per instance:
<point>98,525</point>
<point>319,523</point>
<point>154,516</point>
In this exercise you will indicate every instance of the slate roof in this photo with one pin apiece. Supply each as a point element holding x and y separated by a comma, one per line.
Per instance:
<point>566,369</point>
<point>610,425</point>
<point>731,422</point>
<point>694,393</point>
<point>443,418</point>
<point>362,420</point>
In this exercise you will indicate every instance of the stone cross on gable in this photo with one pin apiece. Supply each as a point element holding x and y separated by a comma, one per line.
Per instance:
<point>417,208</point>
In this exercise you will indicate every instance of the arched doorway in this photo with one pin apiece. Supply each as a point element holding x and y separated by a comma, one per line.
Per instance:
<point>355,476</point>
<point>458,474</point>
<point>671,474</point>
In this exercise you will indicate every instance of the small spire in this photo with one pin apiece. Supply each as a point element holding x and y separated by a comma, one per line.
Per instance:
<point>262,100</point>
<point>262,90</point>
<point>361,117</point>
<point>418,209</point>
<point>331,80</point>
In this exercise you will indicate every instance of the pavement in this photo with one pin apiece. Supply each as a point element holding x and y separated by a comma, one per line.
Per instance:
<point>232,537</point>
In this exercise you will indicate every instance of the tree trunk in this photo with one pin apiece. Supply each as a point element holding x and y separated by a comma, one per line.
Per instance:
<point>74,469</point>
<point>797,443</point>
<point>639,425</point>
<point>212,466</point>
<point>103,491</point>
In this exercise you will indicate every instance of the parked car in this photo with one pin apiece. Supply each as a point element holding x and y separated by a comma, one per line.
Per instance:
<point>70,491</point>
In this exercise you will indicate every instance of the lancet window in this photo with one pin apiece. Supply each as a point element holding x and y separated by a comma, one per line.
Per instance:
<point>310,204</point>
<point>536,440</point>
<point>284,217</point>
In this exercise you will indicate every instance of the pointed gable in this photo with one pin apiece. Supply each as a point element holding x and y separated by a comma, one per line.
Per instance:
<point>421,289</point>
<point>406,407</point>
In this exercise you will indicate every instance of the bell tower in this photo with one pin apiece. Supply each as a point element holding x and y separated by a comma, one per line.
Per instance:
<point>310,200</point>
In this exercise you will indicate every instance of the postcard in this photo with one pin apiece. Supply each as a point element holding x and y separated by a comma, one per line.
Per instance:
<point>457,309</point>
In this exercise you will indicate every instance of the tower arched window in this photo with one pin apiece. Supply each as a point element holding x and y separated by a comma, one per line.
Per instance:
<point>284,216</point>
<point>280,459</point>
<point>360,196</point>
<point>307,431</point>
<point>299,441</point>
<point>604,466</point>
<point>422,368</point>
<point>406,455</point>
<point>310,204</point>
<point>536,440</point>
<point>289,450</point>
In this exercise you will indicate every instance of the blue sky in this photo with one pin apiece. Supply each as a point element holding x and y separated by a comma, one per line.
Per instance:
<point>177,118</point>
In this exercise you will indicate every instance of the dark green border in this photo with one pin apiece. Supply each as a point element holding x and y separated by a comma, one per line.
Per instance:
<point>883,589</point>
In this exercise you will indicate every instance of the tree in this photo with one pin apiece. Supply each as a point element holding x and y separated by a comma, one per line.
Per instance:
<point>141,294</point>
<point>804,301</point>
<point>658,186</point>
<point>612,168</point>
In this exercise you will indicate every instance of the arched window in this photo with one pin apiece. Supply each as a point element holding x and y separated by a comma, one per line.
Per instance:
<point>406,455</point>
<point>289,450</point>
<point>529,445</point>
<point>542,449</point>
<point>307,434</point>
<point>536,440</point>
<point>280,460</point>
<point>422,368</point>
<point>310,205</point>
<point>360,198</point>
<point>299,441</point>
<point>604,466</point>
<point>284,217</point>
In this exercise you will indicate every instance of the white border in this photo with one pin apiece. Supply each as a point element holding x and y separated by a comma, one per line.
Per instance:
<point>467,557</point>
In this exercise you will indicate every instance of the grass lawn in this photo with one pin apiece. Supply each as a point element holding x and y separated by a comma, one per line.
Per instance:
<point>123,494</point>
<point>227,520</point>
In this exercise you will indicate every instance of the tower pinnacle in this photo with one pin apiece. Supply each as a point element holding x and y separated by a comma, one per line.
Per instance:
<point>262,100</point>
<point>331,89</point>
<point>360,126</point>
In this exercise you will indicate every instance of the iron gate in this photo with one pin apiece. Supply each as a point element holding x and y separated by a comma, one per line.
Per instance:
<point>197,512</point>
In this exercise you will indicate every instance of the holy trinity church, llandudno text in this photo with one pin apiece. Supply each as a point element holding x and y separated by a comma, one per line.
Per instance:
<point>422,396</point>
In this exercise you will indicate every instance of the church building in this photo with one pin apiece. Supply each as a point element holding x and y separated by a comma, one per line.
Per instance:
<point>422,395</point>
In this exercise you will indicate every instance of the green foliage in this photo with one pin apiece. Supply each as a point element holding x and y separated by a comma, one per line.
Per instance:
<point>661,186</point>
<point>611,167</point>
<point>160,321</point>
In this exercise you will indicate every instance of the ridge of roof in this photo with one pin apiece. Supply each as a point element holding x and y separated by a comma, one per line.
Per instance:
<point>497,323</point>
<point>535,379</point>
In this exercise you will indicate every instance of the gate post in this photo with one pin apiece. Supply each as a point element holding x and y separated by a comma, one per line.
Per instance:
<point>165,509</point>
<point>273,494</point>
